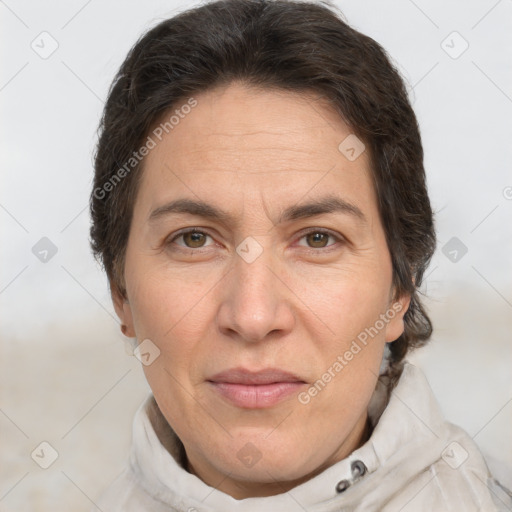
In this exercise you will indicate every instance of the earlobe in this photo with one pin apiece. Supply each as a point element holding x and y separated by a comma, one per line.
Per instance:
<point>396,313</point>
<point>123,310</point>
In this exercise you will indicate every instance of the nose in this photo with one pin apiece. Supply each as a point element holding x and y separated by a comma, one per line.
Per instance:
<point>256,300</point>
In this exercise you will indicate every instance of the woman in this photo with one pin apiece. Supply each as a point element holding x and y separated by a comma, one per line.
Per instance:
<point>260,208</point>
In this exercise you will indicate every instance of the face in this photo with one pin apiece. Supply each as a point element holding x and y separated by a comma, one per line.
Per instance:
<point>257,265</point>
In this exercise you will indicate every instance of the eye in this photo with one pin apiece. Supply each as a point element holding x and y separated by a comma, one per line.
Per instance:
<point>196,239</point>
<point>319,238</point>
<point>192,239</point>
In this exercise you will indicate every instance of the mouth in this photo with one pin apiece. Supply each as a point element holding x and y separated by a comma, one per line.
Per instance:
<point>255,390</point>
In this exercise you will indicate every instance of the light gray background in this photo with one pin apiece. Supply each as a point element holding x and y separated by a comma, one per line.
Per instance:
<point>66,376</point>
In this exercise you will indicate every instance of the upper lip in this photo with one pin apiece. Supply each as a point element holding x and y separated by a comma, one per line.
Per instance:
<point>260,377</point>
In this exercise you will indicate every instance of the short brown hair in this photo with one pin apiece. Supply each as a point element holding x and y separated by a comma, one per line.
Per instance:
<point>290,45</point>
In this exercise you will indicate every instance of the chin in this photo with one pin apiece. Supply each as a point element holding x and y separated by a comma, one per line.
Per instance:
<point>262,460</point>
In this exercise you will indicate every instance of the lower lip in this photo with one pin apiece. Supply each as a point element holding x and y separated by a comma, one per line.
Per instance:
<point>256,396</point>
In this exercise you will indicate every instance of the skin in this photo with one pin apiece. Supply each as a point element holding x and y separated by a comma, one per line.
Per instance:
<point>297,306</point>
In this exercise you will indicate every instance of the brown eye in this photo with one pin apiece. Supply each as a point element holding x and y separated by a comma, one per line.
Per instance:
<point>191,239</point>
<point>194,239</point>
<point>317,239</point>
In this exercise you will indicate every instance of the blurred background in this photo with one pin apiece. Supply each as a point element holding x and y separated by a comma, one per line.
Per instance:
<point>67,376</point>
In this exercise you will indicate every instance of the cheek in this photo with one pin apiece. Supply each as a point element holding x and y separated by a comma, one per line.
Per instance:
<point>173,310</point>
<point>349,360</point>
<point>169,311</point>
<point>164,301</point>
<point>349,302</point>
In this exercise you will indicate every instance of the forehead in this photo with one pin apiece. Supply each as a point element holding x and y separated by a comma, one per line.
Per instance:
<point>238,141</point>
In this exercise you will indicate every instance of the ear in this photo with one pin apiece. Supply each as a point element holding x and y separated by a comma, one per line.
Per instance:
<point>396,312</point>
<point>123,310</point>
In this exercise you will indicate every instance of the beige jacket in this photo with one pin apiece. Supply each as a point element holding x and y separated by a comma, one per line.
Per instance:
<point>414,461</point>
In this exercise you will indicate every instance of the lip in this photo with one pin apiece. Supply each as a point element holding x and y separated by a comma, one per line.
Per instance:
<point>255,390</point>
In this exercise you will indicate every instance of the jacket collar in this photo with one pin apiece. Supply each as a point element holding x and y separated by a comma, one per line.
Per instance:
<point>410,420</point>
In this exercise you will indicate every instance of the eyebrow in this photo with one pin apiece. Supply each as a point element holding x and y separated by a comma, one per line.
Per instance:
<point>321,206</point>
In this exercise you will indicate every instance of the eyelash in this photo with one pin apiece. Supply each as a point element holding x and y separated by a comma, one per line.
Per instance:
<point>174,237</point>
